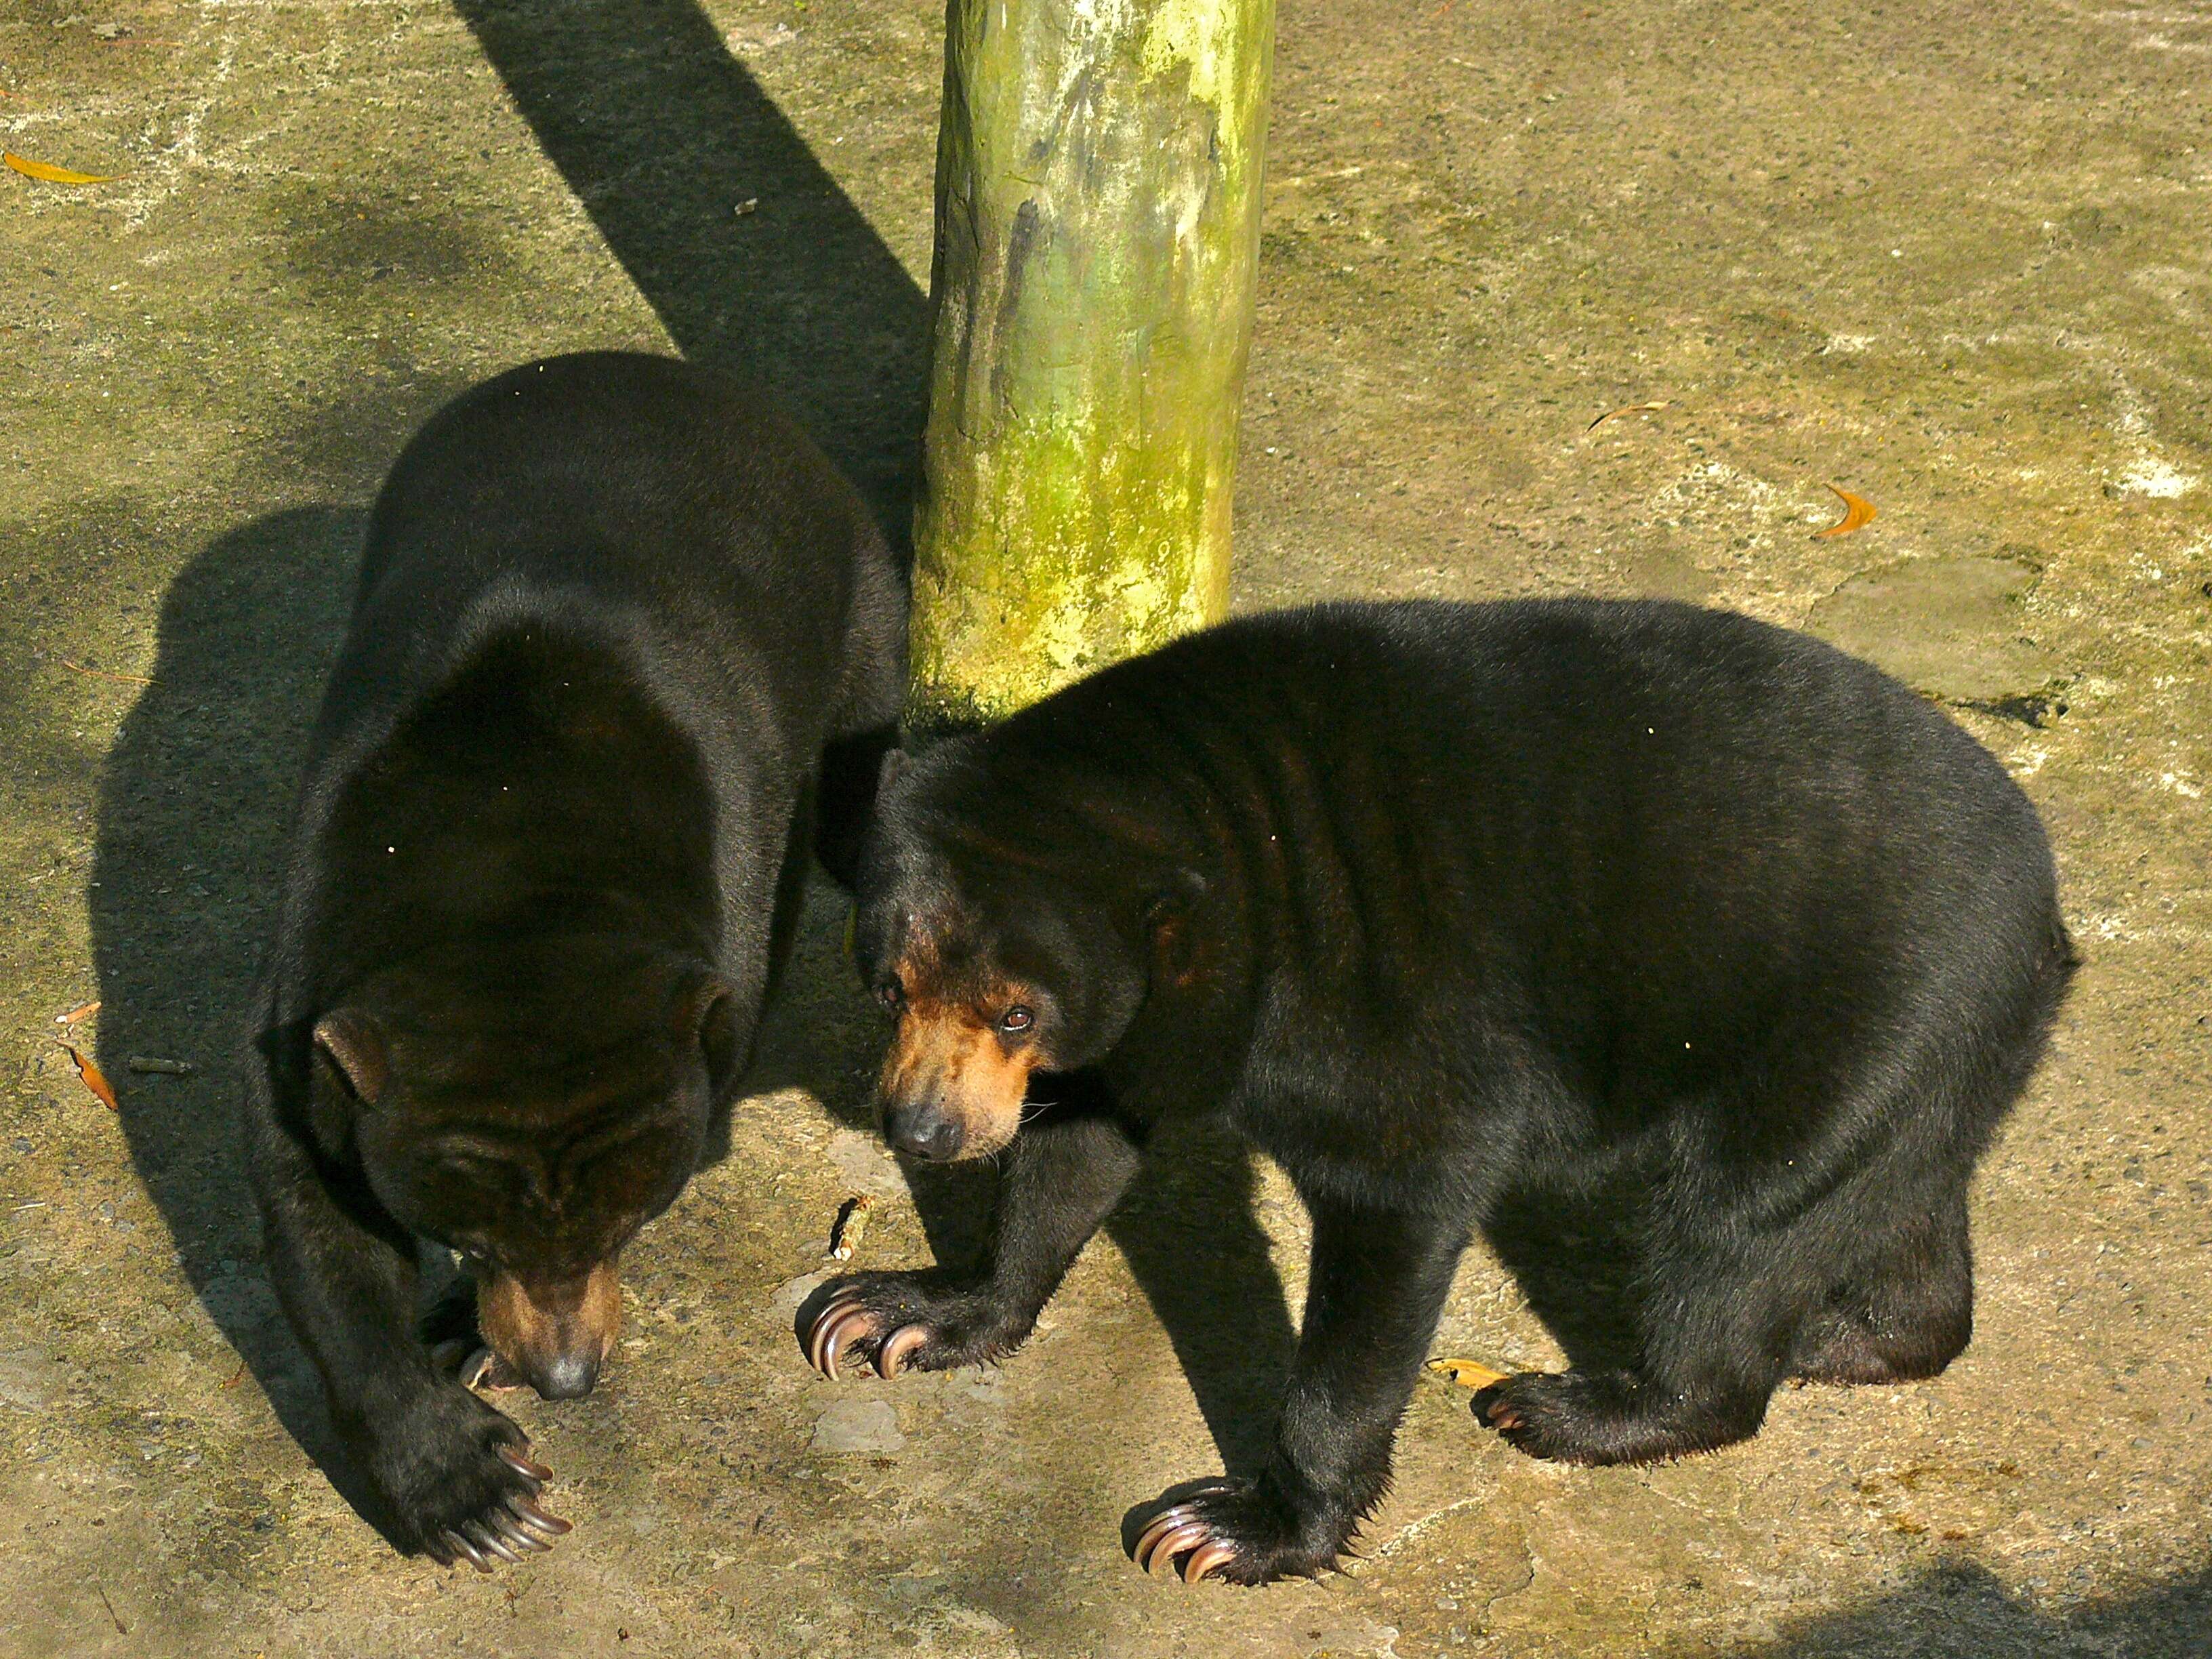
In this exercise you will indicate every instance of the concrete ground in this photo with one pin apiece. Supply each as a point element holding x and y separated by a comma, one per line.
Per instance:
<point>1951,257</point>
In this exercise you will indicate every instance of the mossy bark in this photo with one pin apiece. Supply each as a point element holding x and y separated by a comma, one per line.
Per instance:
<point>1097,236</point>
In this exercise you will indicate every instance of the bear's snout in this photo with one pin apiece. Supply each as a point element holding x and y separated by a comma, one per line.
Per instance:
<point>951,1087</point>
<point>554,1335</point>
<point>922,1130</point>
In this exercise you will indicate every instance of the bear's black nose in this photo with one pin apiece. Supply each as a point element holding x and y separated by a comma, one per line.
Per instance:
<point>566,1377</point>
<point>922,1132</point>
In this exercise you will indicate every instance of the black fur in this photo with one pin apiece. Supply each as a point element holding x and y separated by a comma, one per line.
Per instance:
<point>1445,906</point>
<point>611,612</point>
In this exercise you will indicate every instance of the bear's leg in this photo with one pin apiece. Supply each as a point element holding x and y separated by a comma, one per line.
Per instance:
<point>1379,1279</point>
<point>1065,1174</point>
<point>1723,1301</point>
<point>454,1477</point>
<point>1904,1312</point>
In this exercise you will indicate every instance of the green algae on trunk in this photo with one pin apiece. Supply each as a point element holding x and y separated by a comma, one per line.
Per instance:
<point>1097,238</point>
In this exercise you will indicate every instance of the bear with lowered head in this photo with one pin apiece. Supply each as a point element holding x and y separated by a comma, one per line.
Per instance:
<point>623,642</point>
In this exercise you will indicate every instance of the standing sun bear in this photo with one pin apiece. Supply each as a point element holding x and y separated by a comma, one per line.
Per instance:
<point>1445,905</point>
<point>619,628</point>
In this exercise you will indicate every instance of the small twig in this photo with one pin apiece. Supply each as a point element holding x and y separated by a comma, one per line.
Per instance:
<point>236,1376</point>
<point>846,1231</point>
<point>82,1010</point>
<point>121,1629</point>
<point>105,674</point>
<point>160,1068</point>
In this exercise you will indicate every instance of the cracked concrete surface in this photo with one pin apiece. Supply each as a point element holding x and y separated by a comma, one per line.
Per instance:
<point>1952,257</point>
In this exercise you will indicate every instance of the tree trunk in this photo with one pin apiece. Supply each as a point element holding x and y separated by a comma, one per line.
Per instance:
<point>1097,235</point>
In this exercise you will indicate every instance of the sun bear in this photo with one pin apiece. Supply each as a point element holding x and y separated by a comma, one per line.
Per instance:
<point>1444,906</point>
<point>612,616</point>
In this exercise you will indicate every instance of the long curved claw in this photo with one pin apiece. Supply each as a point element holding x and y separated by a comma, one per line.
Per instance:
<point>1206,1558</point>
<point>531,1516</point>
<point>838,1321</point>
<point>466,1550</point>
<point>824,1322</point>
<point>512,1532</point>
<point>1162,1524</point>
<point>484,1538</point>
<point>896,1348</point>
<point>1189,1536</point>
<point>523,1463</point>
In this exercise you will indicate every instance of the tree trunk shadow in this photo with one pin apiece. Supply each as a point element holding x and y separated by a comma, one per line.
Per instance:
<point>662,134</point>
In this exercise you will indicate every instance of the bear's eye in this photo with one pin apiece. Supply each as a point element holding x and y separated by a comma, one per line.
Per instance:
<point>1016,1019</point>
<point>891,994</point>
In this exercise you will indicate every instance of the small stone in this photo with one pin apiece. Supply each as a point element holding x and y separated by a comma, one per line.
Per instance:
<point>853,1426</point>
<point>866,1165</point>
<point>1950,627</point>
<point>793,1292</point>
<point>30,1379</point>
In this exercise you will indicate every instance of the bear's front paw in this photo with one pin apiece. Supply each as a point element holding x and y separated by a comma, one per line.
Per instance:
<point>902,1321</point>
<point>1241,1532</point>
<point>461,1485</point>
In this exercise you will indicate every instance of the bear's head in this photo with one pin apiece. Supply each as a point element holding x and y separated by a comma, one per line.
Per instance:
<point>531,1106</point>
<point>1013,924</point>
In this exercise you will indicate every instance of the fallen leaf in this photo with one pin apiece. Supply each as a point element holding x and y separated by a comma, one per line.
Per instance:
<point>1467,1373</point>
<point>236,1376</point>
<point>1858,514</point>
<point>82,1010</point>
<point>95,1078</point>
<point>104,674</point>
<point>52,174</point>
<point>1627,409</point>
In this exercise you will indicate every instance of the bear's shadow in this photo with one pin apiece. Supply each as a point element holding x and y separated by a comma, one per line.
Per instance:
<point>194,803</point>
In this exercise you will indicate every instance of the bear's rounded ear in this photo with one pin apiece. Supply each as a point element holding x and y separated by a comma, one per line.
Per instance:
<point>1167,915</point>
<point>354,1046</point>
<point>708,1016</point>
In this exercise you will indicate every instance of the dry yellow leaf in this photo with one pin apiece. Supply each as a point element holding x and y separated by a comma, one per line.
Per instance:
<point>1626,409</point>
<point>95,1078</point>
<point>1467,1373</point>
<point>1858,513</point>
<point>52,174</point>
